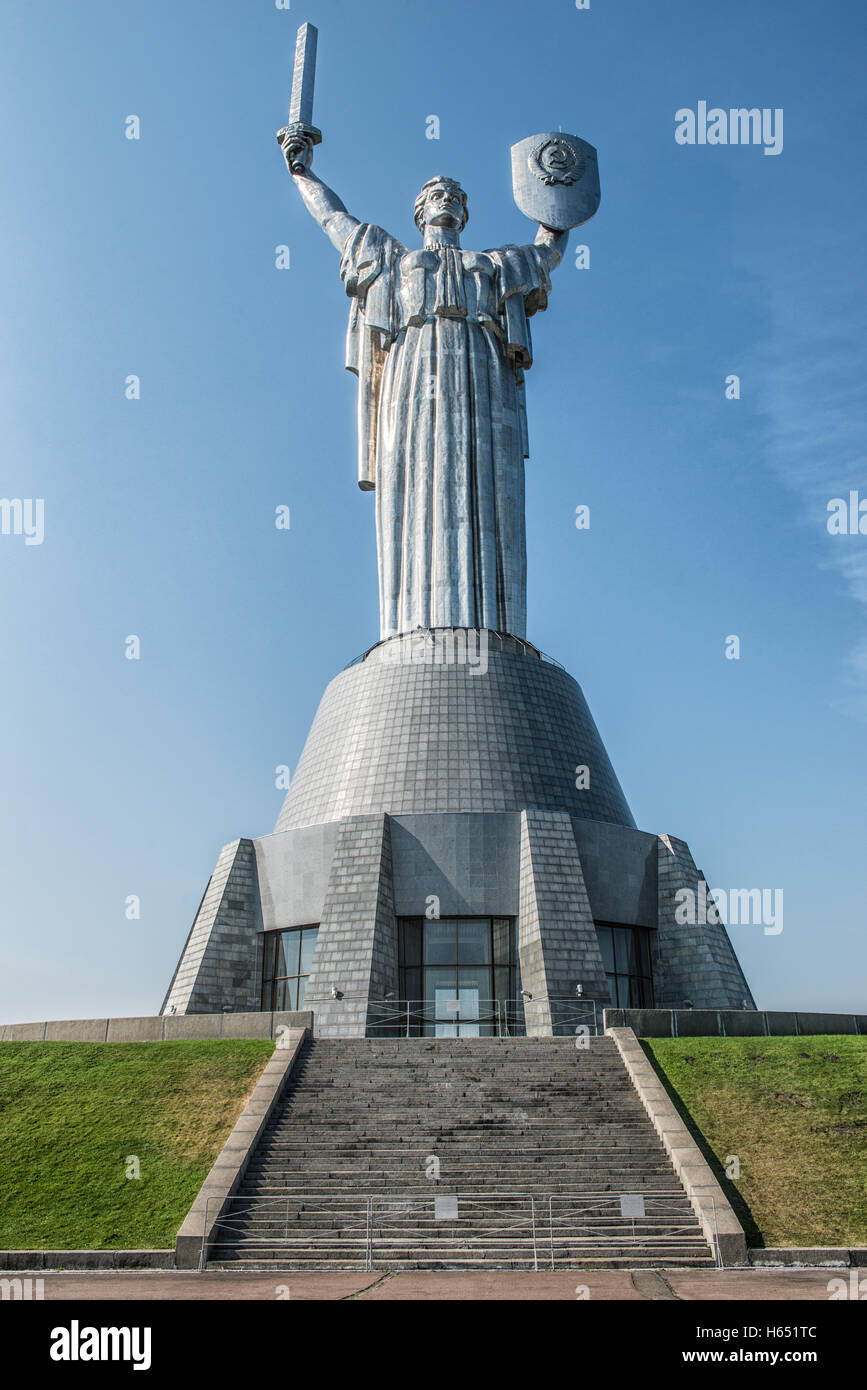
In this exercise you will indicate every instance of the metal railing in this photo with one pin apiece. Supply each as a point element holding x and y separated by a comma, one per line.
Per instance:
<point>504,640</point>
<point>451,1018</point>
<point>481,1018</point>
<point>376,1230</point>
<point>592,1217</point>
<point>565,1014</point>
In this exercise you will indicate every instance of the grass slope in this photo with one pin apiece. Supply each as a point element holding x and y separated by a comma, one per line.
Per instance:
<point>794,1111</point>
<point>72,1114</point>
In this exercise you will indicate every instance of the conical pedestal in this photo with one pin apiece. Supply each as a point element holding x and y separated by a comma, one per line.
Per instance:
<point>452,780</point>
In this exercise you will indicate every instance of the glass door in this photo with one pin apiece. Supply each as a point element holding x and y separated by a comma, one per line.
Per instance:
<point>457,975</point>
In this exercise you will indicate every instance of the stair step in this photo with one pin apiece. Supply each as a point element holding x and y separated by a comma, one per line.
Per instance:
<point>508,1120</point>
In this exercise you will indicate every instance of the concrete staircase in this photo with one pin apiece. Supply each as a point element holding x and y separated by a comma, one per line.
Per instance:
<point>537,1139</point>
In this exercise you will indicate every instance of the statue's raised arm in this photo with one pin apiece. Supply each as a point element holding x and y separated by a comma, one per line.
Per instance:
<point>300,135</point>
<point>320,201</point>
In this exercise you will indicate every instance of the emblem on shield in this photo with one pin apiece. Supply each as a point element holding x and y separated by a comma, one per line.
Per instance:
<point>555,179</point>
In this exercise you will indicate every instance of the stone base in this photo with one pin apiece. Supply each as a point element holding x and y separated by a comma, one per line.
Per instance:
<point>458,789</point>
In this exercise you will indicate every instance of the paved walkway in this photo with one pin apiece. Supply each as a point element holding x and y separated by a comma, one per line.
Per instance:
<point>686,1285</point>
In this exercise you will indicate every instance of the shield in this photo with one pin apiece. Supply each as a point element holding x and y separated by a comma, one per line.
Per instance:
<point>555,179</point>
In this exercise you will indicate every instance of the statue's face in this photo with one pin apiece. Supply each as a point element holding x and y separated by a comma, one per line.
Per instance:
<point>443,207</point>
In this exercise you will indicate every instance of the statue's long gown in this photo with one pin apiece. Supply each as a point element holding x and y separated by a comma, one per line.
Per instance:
<point>440,341</point>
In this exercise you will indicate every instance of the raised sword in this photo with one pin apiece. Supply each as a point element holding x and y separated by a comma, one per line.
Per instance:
<point>300,133</point>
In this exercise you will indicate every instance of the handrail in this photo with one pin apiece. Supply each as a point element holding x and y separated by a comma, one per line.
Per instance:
<point>412,1015</point>
<point>377,1224</point>
<point>504,1018</point>
<point>526,647</point>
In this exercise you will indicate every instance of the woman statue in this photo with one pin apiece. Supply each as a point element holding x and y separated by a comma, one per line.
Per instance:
<point>440,342</point>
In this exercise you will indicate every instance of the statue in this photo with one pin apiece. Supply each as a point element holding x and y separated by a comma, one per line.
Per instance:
<point>439,338</point>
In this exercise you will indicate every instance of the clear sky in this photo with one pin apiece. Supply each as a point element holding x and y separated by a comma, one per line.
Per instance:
<point>156,257</point>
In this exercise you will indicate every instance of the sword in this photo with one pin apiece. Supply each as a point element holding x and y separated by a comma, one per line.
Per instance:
<point>300,133</point>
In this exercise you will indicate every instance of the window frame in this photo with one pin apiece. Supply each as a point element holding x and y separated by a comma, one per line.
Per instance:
<point>639,950</point>
<point>271,980</point>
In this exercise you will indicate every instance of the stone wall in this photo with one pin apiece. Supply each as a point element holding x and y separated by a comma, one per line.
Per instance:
<point>557,941</point>
<point>692,962</point>
<point>152,1028</point>
<point>393,735</point>
<point>356,950</point>
<point>221,966</point>
<point>731,1023</point>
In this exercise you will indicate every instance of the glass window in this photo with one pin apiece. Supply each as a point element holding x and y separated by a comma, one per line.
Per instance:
<point>503,937</point>
<point>474,941</point>
<point>474,992</point>
<point>285,993</point>
<point>308,946</point>
<point>504,991</point>
<point>606,946</point>
<point>439,942</point>
<point>642,939</point>
<point>451,962</point>
<point>410,941</point>
<point>626,959</point>
<point>288,959</point>
<point>622,950</point>
<point>440,985</point>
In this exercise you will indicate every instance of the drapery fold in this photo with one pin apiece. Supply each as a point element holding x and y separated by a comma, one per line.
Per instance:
<point>439,340</point>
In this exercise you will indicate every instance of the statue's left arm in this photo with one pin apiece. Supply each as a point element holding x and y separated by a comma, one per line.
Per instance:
<point>555,243</point>
<point>524,286</point>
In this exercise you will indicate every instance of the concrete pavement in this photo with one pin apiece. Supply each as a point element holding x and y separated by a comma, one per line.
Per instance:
<point>699,1285</point>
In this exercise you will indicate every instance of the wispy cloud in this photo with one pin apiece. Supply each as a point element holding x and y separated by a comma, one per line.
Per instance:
<point>812,371</point>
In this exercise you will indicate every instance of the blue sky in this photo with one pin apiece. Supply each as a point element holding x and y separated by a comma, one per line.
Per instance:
<point>708,517</point>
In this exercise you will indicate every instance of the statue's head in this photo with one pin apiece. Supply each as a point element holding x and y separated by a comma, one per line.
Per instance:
<point>441,203</point>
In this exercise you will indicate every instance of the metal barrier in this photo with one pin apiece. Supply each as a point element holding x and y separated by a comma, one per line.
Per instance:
<point>566,1016</point>
<point>506,642</point>
<point>595,1217</point>
<point>447,1018</point>
<point>520,1228</point>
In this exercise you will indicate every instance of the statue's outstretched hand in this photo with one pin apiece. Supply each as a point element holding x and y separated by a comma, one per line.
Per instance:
<point>297,148</point>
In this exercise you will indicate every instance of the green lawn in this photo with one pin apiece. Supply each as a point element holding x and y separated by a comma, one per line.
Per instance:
<point>73,1114</point>
<point>794,1111</point>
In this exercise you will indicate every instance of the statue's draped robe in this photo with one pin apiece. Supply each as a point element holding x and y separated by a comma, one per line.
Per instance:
<point>440,341</point>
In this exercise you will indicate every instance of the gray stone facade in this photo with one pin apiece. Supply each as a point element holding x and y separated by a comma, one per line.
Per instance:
<point>692,962</point>
<point>557,940</point>
<point>392,734</point>
<point>423,783</point>
<point>356,952</point>
<point>221,966</point>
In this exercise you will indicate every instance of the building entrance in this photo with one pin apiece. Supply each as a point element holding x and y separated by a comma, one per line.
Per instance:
<point>458,976</point>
